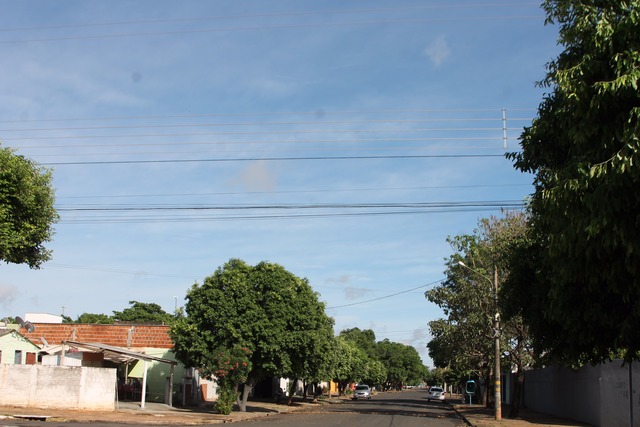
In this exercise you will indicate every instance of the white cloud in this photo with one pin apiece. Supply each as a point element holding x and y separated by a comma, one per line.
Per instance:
<point>351,293</point>
<point>344,278</point>
<point>257,177</point>
<point>7,294</point>
<point>438,51</point>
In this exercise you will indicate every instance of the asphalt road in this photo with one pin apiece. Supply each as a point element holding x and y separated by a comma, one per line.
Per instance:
<point>406,409</point>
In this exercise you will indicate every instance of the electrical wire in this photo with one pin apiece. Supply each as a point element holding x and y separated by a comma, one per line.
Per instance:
<point>387,296</point>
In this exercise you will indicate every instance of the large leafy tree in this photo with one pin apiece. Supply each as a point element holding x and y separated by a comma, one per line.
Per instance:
<point>94,318</point>
<point>311,344</point>
<point>402,363</point>
<point>264,312</point>
<point>27,211</point>
<point>464,340</point>
<point>141,312</point>
<point>579,275</point>
<point>365,340</point>
<point>350,364</point>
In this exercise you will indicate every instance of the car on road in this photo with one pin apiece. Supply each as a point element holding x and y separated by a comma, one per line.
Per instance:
<point>362,391</point>
<point>435,393</point>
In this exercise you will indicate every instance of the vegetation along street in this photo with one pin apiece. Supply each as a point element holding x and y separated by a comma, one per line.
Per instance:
<point>528,287</point>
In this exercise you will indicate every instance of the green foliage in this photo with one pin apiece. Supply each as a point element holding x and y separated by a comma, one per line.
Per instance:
<point>141,312</point>
<point>402,363</point>
<point>382,363</point>
<point>579,274</point>
<point>350,363</point>
<point>27,211</point>
<point>93,318</point>
<point>364,339</point>
<point>464,342</point>
<point>269,311</point>
<point>227,396</point>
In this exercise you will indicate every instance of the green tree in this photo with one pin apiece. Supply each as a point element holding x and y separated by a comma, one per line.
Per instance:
<point>310,347</point>
<point>364,339</point>
<point>141,312</point>
<point>579,275</point>
<point>464,341</point>
<point>402,363</point>
<point>264,309</point>
<point>350,364</point>
<point>27,211</point>
<point>94,318</point>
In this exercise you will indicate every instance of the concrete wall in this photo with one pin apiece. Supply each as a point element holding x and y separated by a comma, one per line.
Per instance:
<point>57,387</point>
<point>596,395</point>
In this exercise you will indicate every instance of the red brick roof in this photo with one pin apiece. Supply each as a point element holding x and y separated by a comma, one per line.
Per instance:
<point>133,336</point>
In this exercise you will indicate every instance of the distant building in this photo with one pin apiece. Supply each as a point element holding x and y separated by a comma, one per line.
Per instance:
<point>42,318</point>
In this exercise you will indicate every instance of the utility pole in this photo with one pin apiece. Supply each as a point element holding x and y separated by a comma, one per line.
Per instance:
<point>497,373</point>
<point>496,336</point>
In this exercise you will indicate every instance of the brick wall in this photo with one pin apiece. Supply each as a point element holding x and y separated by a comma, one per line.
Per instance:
<point>133,336</point>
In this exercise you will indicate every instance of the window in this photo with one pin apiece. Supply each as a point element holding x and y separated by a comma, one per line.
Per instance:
<point>18,357</point>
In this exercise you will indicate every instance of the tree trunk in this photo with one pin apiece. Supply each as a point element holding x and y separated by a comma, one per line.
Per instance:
<point>304,390</point>
<point>486,388</point>
<point>244,397</point>
<point>292,390</point>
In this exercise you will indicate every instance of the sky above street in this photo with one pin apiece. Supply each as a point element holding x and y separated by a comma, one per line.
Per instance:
<point>343,140</point>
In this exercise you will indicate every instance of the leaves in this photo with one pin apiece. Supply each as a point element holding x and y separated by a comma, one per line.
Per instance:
<point>583,151</point>
<point>262,316</point>
<point>27,212</point>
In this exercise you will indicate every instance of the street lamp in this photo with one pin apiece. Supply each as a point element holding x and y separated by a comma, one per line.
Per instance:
<point>496,326</point>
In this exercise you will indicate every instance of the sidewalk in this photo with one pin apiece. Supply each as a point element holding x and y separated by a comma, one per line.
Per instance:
<point>152,413</point>
<point>480,416</point>
<point>156,413</point>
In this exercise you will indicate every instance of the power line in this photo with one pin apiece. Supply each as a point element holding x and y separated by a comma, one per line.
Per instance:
<point>335,190</point>
<point>317,113</point>
<point>290,123</point>
<point>305,26</point>
<point>270,159</point>
<point>288,216</point>
<point>265,15</point>
<point>386,296</point>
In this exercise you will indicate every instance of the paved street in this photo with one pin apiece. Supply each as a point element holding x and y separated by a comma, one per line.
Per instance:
<point>407,409</point>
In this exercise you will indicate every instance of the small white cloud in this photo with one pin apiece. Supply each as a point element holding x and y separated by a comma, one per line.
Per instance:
<point>345,278</point>
<point>351,293</point>
<point>257,177</point>
<point>438,51</point>
<point>7,295</point>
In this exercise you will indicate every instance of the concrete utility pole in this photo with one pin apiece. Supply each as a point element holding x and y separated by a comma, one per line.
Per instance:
<point>496,335</point>
<point>498,373</point>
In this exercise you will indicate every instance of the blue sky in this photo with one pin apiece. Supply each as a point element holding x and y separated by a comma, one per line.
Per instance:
<point>344,140</point>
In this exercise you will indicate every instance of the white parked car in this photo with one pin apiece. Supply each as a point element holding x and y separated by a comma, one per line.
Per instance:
<point>435,393</point>
<point>362,392</point>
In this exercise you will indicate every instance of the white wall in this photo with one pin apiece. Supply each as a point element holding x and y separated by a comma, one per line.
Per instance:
<point>65,387</point>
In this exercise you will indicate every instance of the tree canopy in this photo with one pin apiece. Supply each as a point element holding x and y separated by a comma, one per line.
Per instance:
<point>264,309</point>
<point>27,211</point>
<point>464,342</point>
<point>577,279</point>
<point>142,312</point>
